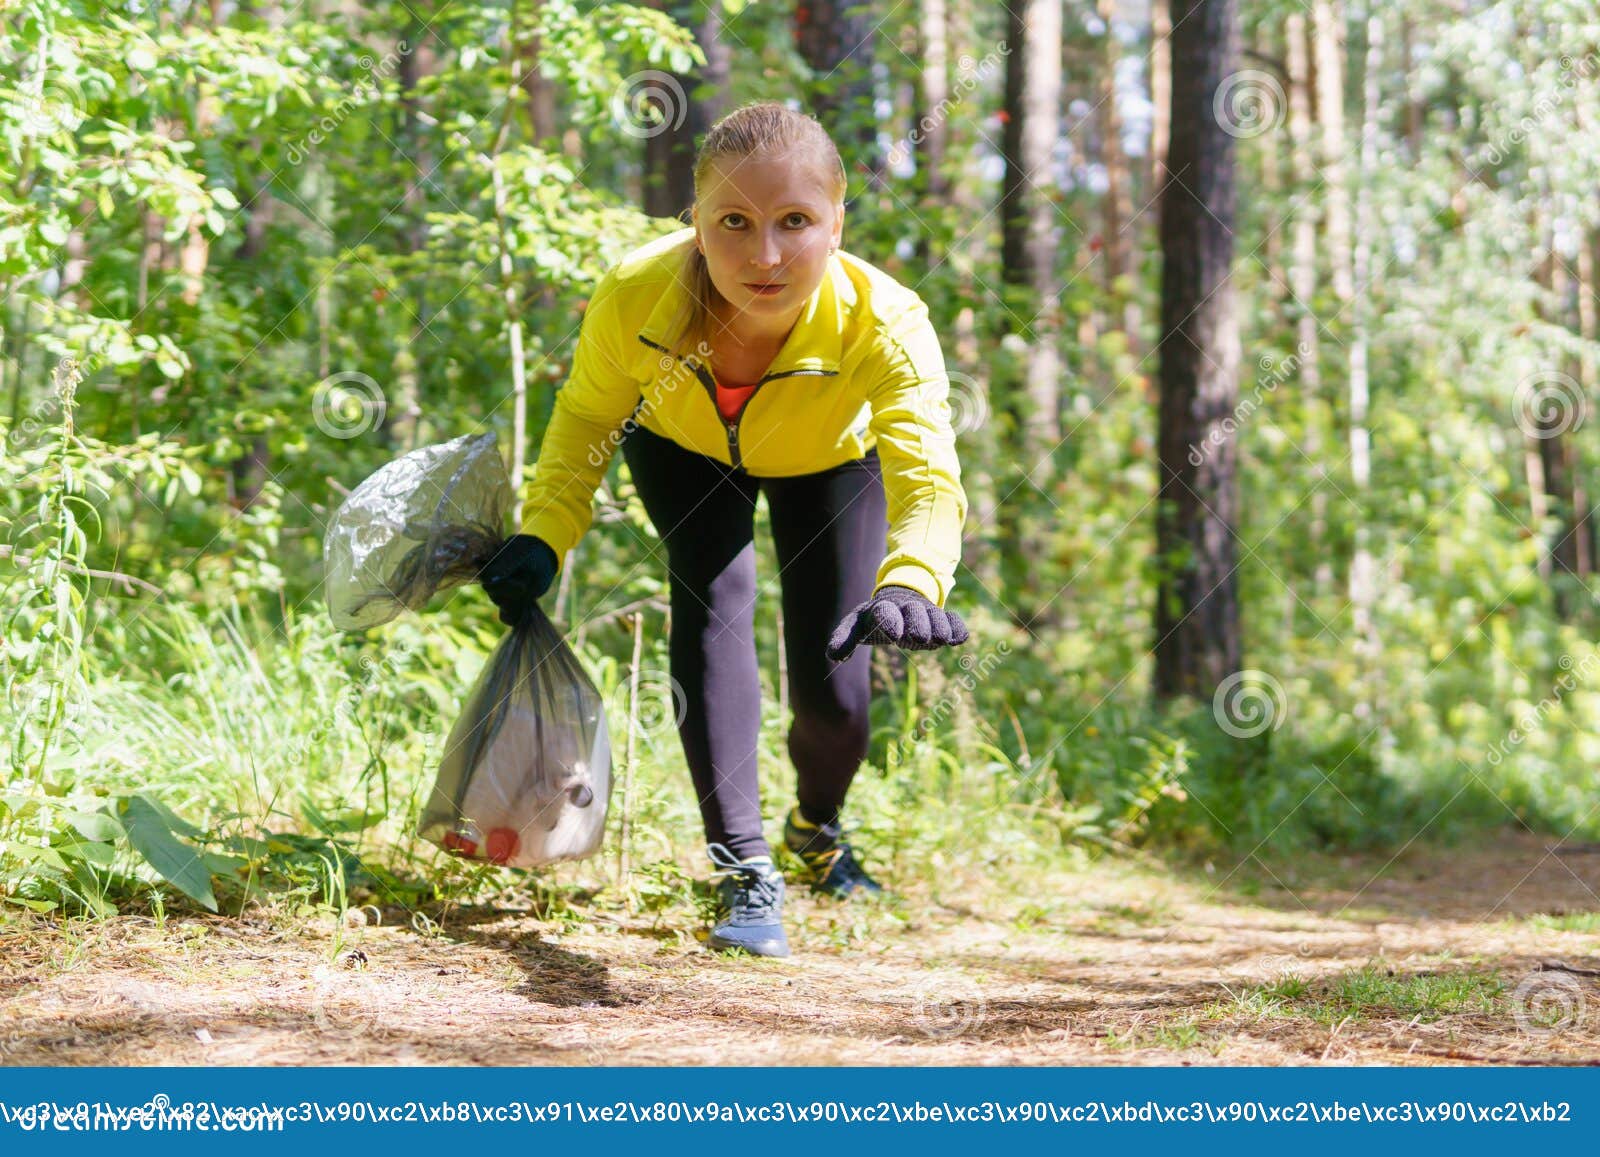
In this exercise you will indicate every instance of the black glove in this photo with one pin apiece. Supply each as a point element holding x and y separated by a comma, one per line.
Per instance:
<point>897,617</point>
<point>519,573</point>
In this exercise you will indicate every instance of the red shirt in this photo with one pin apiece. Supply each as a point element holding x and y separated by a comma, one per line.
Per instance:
<point>731,398</point>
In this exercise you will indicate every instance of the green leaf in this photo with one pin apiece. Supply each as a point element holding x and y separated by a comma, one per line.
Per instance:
<point>96,826</point>
<point>101,855</point>
<point>152,837</point>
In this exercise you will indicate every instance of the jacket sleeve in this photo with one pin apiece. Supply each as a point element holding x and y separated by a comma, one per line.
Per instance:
<point>909,394</point>
<point>584,430</point>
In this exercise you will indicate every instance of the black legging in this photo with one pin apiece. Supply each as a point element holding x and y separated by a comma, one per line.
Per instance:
<point>830,532</point>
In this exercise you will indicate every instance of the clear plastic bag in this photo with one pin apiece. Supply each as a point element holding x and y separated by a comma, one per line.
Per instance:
<point>526,775</point>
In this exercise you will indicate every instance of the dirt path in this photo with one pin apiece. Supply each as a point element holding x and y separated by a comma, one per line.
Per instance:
<point>1442,956</point>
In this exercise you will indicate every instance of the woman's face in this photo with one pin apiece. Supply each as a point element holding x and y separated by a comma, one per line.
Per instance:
<point>766,226</point>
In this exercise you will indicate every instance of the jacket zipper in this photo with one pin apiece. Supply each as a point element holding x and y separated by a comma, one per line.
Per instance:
<point>738,418</point>
<point>731,425</point>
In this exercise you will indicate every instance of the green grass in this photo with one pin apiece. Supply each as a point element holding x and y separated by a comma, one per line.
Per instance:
<point>1564,921</point>
<point>1374,992</point>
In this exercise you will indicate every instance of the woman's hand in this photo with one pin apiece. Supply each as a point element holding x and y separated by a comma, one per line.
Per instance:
<point>896,617</point>
<point>519,573</point>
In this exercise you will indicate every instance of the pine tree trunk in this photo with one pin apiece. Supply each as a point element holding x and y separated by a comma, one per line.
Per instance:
<point>1028,269</point>
<point>669,147</point>
<point>1197,605</point>
<point>1303,285</point>
<point>1363,569</point>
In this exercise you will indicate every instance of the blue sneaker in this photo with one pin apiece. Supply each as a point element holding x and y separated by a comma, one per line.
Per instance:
<point>752,896</point>
<point>828,858</point>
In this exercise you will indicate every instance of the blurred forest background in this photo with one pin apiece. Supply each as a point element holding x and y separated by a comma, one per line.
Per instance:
<point>1271,329</point>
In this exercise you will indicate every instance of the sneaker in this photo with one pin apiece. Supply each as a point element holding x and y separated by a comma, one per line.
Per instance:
<point>752,896</point>
<point>828,858</point>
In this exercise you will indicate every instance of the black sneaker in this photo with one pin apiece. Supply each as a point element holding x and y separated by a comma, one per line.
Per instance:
<point>751,891</point>
<point>828,858</point>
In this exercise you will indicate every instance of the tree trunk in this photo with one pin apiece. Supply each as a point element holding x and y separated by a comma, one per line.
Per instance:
<point>1028,271</point>
<point>835,39</point>
<point>1303,284</point>
<point>1197,604</point>
<point>1160,91</point>
<point>1118,199</point>
<point>1363,570</point>
<point>405,415</point>
<point>933,132</point>
<point>669,147</point>
<point>1327,18</point>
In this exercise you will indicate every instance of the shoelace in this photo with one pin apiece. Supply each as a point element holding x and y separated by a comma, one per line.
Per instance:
<point>837,865</point>
<point>756,899</point>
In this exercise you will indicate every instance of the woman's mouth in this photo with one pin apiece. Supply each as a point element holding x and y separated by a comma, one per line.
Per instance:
<point>764,290</point>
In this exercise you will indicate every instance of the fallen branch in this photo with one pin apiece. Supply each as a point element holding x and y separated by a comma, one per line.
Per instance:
<point>128,581</point>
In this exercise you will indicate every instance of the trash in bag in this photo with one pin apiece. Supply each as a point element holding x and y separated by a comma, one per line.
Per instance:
<point>525,778</point>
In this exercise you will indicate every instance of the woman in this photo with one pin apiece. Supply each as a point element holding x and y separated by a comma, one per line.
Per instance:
<point>748,355</point>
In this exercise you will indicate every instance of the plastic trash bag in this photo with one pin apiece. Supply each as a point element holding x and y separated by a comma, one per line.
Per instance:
<point>526,774</point>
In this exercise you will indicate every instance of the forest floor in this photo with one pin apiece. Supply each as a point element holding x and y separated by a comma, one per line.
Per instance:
<point>1466,955</point>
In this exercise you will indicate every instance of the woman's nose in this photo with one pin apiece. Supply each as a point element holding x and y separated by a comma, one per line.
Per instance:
<point>767,255</point>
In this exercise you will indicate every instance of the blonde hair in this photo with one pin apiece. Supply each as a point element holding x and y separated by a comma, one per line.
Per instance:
<point>764,129</point>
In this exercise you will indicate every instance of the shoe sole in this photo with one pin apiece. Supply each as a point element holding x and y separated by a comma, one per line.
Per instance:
<point>777,948</point>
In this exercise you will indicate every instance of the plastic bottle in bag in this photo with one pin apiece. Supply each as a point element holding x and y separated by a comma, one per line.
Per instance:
<point>525,778</point>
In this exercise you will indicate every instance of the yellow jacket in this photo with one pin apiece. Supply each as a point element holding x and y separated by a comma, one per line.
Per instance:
<point>861,368</point>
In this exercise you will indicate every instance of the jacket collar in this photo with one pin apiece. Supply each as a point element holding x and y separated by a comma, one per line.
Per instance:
<point>814,345</point>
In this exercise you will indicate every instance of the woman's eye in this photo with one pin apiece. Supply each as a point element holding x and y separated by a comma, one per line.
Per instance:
<point>733,220</point>
<point>798,220</point>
